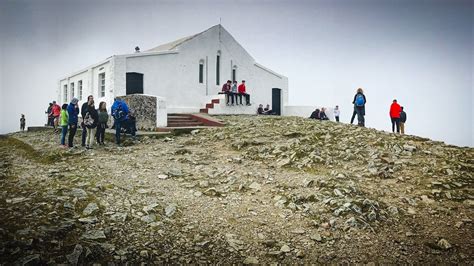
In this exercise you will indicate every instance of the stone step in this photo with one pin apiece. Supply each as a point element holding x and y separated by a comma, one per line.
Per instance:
<point>185,124</point>
<point>180,118</point>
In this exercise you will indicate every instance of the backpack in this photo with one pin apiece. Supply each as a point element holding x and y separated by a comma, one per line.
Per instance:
<point>118,113</point>
<point>88,120</point>
<point>359,100</point>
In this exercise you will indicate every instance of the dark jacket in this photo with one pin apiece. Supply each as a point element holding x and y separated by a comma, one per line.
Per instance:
<point>94,115</point>
<point>72,113</point>
<point>355,96</point>
<point>315,114</point>
<point>403,116</point>
<point>323,116</point>
<point>260,110</point>
<point>84,109</point>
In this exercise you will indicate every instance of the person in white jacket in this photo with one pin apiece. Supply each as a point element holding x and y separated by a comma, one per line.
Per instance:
<point>337,113</point>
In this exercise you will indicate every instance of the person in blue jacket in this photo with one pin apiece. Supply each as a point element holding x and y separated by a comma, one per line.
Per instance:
<point>119,112</point>
<point>73,112</point>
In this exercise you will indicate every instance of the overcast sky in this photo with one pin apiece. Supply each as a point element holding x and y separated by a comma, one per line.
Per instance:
<point>417,51</point>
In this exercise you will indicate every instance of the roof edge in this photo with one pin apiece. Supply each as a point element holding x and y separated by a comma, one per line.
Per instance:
<point>269,70</point>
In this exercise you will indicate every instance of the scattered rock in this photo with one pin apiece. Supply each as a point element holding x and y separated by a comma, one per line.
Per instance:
<point>73,258</point>
<point>251,261</point>
<point>94,234</point>
<point>91,208</point>
<point>285,248</point>
<point>444,244</point>
<point>150,218</point>
<point>170,210</point>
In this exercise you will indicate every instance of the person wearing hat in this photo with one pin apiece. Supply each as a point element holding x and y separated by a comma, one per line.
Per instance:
<point>73,112</point>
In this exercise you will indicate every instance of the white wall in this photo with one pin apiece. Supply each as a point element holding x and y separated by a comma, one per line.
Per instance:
<point>90,84</point>
<point>205,46</point>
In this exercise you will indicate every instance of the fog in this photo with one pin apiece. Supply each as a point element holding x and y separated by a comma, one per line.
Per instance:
<point>416,51</point>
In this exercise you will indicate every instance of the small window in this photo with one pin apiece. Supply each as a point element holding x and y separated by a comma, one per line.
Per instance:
<point>79,87</point>
<point>72,90</point>
<point>201,72</point>
<point>65,94</point>
<point>218,63</point>
<point>102,85</point>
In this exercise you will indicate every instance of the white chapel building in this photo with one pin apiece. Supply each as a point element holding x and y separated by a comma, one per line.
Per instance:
<point>185,75</point>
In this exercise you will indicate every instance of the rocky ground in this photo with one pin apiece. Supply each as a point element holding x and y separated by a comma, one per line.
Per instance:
<point>260,190</point>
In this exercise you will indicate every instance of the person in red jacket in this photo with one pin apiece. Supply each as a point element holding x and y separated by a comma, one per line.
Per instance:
<point>56,111</point>
<point>243,92</point>
<point>395,115</point>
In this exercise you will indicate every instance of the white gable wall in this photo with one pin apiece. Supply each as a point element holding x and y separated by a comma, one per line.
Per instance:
<point>205,47</point>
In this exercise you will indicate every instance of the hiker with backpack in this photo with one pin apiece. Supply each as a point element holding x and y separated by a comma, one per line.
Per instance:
<point>91,120</point>
<point>73,112</point>
<point>84,108</point>
<point>395,115</point>
<point>119,113</point>
<point>359,106</point>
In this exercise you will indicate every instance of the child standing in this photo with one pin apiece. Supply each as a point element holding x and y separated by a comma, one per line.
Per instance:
<point>22,122</point>
<point>64,117</point>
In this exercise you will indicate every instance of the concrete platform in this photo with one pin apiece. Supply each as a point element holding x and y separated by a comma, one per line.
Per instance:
<point>153,134</point>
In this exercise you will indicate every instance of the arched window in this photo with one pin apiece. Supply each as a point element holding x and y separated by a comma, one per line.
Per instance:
<point>218,66</point>
<point>234,73</point>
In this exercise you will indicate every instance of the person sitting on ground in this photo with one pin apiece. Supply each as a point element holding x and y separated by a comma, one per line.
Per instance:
<point>243,92</point>
<point>63,121</point>
<point>260,109</point>
<point>322,114</point>
<point>267,110</point>
<point>22,122</point>
<point>226,89</point>
<point>315,114</point>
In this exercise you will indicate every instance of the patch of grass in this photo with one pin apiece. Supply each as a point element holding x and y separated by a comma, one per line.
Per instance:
<point>26,150</point>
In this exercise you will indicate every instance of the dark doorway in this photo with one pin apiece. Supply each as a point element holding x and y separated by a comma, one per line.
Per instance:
<point>276,101</point>
<point>134,83</point>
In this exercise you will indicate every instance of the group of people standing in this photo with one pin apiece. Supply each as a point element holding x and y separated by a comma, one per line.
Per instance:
<point>397,115</point>
<point>93,124</point>
<point>53,113</point>
<point>234,93</point>
<point>94,121</point>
